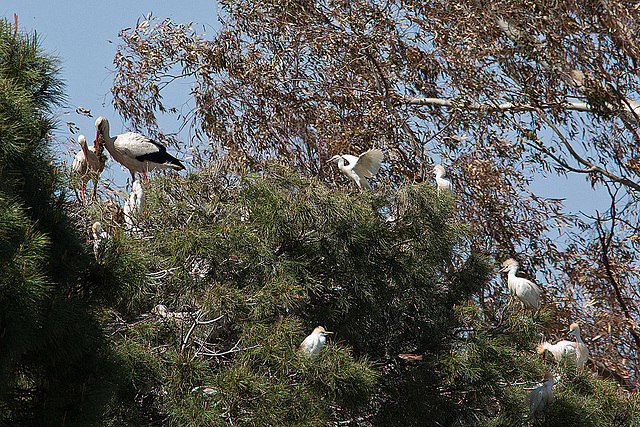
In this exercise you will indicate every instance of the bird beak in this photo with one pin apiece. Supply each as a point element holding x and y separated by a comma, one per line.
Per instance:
<point>503,269</point>
<point>328,332</point>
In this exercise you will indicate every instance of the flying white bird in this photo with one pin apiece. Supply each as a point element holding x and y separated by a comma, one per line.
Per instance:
<point>360,168</point>
<point>86,165</point>
<point>525,290</point>
<point>541,397</point>
<point>312,345</point>
<point>136,152</point>
<point>134,205</point>
<point>443,184</point>
<point>573,350</point>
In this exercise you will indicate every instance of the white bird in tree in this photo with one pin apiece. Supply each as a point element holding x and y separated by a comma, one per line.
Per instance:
<point>86,165</point>
<point>443,184</point>
<point>361,167</point>
<point>136,152</point>
<point>582,352</point>
<point>575,351</point>
<point>313,344</point>
<point>99,240</point>
<point>527,292</point>
<point>562,349</point>
<point>541,397</point>
<point>135,204</point>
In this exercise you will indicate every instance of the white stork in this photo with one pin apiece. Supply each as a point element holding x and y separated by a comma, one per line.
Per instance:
<point>312,345</point>
<point>136,152</point>
<point>361,167</point>
<point>86,165</point>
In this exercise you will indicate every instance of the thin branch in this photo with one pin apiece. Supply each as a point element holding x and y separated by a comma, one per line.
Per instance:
<point>605,243</point>
<point>233,349</point>
<point>383,87</point>
<point>197,322</point>
<point>574,77</point>
<point>624,181</point>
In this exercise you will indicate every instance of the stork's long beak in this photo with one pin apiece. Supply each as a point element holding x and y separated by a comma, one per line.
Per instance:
<point>328,332</point>
<point>503,269</point>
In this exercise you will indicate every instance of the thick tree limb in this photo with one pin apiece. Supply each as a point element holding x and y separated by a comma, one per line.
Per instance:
<point>506,106</point>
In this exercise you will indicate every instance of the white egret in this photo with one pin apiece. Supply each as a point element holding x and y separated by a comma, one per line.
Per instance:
<point>99,240</point>
<point>560,350</point>
<point>443,184</point>
<point>135,204</point>
<point>573,350</point>
<point>136,152</point>
<point>361,167</point>
<point>313,344</point>
<point>582,352</point>
<point>86,166</point>
<point>527,292</point>
<point>541,397</point>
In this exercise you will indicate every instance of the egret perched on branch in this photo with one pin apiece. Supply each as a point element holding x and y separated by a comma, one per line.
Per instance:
<point>573,350</point>
<point>86,165</point>
<point>313,344</point>
<point>136,152</point>
<point>443,184</point>
<point>99,240</point>
<point>541,397</point>
<point>360,168</point>
<point>527,292</point>
<point>582,352</point>
<point>135,204</point>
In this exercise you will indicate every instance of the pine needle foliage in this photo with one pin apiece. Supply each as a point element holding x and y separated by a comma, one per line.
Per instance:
<point>53,355</point>
<point>257,262</point>
<point>246,266</point>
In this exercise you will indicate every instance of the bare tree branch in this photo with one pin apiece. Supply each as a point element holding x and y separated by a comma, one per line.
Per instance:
<point>506,106</point>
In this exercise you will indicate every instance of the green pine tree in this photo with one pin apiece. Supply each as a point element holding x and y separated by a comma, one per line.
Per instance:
<point>54,362</point>
<point>246,267</point>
